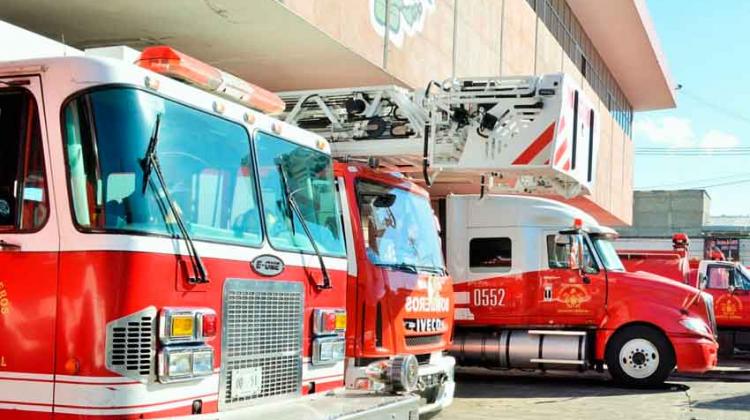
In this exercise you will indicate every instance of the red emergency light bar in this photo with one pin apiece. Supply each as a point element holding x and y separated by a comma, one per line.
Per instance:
<point>172,63</point>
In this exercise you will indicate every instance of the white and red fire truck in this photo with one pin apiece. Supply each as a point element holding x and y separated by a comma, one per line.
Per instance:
<point>166,250</point>
<point>537,282</point>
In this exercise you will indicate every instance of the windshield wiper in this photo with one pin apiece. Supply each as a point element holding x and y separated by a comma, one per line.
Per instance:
<point>411,268</point>
<point>432,270</point>
<point>292,203</point>
<point>151,162</point>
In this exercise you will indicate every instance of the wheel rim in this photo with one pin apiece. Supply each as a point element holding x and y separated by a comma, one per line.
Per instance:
<point>639,358</point>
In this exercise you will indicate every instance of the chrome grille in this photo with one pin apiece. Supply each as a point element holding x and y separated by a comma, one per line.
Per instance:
<point>262,341</point>
<point>131,345</point>
<point>424,340</point>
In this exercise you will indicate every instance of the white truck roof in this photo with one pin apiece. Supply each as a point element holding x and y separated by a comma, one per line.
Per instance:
<point>518,211</point>
<point>26,44</point>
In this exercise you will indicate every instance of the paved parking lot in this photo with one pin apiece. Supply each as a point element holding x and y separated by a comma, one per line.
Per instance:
<point>485,394</point>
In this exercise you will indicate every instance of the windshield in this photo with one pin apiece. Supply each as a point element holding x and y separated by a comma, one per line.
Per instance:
<point>744,279</point>
<point>606,250</point>
<point>205,161</point>
<point>308,177</point>
<point>398,227</point>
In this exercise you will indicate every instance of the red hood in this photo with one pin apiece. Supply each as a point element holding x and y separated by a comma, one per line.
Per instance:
<point>407,305</point>
<point>655,287</point>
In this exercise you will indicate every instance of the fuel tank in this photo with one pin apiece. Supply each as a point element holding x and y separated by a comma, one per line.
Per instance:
<point>520,348</point>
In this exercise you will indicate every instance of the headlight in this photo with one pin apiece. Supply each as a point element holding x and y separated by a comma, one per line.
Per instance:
<point>183,363</point>
<point>696,325</point>
<point>179,364</point>
<point>203,362</point>
<point>328,350</point>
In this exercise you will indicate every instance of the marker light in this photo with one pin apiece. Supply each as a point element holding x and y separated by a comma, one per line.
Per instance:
<point>329,321</point>
<point>182,326</point>
<point>187,325</point>
<point>577,223</point>
<point>208,325</point>
<point>172,63</point>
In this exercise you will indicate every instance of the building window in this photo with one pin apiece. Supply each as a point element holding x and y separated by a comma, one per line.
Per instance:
<point>566,29</point>
<point>490,255</point>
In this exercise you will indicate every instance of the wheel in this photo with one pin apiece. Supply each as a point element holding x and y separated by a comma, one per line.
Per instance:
<point>640,357</point>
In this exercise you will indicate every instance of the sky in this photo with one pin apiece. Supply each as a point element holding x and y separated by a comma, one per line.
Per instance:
<point>707,49</point>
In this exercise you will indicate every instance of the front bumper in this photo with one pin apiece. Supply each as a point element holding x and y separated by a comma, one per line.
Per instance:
<point>694,354</point>
<point>437,383</point>
<point>340,404</point>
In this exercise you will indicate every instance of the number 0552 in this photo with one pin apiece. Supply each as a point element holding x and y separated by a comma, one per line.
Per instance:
<point>489,297</point>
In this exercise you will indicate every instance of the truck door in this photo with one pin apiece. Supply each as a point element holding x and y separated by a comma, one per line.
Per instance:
<point>573,290</point>
<point>498,282</point>
<point>730,291</point>
<point>29,246</point>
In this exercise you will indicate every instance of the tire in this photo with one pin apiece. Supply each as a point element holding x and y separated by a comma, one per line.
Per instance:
<point>640,357</point>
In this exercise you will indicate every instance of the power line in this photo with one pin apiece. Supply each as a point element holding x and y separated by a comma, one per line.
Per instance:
<point>703,183</point>
<point>693,151</point>
<point>718,108</point>
<point>712,179</point>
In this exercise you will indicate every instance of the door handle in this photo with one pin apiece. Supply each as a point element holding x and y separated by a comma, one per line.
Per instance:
<point>5,245</point>
<point>586,280</point>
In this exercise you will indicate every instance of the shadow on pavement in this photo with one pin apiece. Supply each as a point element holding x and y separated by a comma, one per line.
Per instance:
<point>481,383</point>
<point>739,403</point>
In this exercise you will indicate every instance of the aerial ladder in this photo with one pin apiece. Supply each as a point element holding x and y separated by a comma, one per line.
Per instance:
<point>531,134</point>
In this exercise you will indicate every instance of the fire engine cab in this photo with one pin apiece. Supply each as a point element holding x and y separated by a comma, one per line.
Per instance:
<point>400,298</point>
<point>169,249</point>
<point>537,282</point>
<point>727,282</point>
<point>544,288</point>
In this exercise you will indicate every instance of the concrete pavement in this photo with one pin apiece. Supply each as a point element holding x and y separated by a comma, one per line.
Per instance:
<point>486,394</point>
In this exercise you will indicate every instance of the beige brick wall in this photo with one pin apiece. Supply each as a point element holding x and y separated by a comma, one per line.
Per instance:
<point>427,55</point>
<point>477,38</point>
<point>480,38</point>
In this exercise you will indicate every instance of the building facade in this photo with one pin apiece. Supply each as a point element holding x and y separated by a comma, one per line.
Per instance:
<point>657,215</point>
<point>436,39</point>
<point>609,47</point>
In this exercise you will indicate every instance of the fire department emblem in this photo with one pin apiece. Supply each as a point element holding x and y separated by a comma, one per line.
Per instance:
<point>728,306</point>
<point>433,302</point>
<point>434,286</point>
<point>573,296</point>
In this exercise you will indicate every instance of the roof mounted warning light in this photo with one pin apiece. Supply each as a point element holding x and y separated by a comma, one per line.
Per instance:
<point>172,63</point>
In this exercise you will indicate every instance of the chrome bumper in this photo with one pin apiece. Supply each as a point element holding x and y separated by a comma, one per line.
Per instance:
<point>443,367</point>
<point>340,404</point>
<point>436,381</point>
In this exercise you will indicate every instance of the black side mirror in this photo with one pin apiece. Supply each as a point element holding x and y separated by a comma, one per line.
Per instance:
<point>702,281</point>
<point>384,200</point>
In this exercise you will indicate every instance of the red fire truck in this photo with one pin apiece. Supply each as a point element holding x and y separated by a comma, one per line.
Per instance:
<point>522,299</point>
<point>167,250</point>
<point>544,288</point>
<point>400,298</point>
<point>727,282</point>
